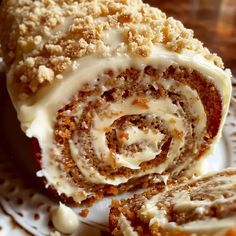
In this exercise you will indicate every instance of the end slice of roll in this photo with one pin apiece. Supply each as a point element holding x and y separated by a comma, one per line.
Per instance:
<point>202,206</point>
<point>112,93</point>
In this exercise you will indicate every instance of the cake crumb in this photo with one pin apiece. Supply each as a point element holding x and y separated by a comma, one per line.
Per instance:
<point>84,212</point>
<point>141,102</point>
<point>45,74</point>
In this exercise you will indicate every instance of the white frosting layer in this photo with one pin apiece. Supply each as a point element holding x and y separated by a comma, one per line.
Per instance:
<point>37,113</point>
<point>181,202</point>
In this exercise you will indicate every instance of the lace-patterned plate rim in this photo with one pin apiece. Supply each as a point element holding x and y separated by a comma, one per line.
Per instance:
<point>28,210</point>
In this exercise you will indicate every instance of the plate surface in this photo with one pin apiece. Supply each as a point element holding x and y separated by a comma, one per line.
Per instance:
<point>24,209</point>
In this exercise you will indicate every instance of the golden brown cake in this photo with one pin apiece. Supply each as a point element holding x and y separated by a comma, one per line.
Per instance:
<point>112,93</point>
<point>204,206</point>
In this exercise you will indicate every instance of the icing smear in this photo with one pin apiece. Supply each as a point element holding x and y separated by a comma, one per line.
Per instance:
<point>64,219</point>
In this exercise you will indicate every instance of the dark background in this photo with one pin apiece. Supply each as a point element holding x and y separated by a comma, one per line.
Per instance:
<point>213,21</point>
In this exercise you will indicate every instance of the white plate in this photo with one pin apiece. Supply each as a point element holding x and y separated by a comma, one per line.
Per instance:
<point>24,209</point>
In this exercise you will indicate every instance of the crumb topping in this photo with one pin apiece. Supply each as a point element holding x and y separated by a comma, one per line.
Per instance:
<point>41,39</point>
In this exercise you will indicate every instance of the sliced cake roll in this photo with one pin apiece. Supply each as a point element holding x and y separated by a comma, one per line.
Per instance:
<point>202,206</point>
<point>111,93</point>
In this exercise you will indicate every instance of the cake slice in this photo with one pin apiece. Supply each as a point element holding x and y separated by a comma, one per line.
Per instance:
<point>202,206</point>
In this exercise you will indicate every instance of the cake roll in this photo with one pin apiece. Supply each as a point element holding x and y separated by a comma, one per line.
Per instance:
<point>111,93</point>
<point>202,206</point>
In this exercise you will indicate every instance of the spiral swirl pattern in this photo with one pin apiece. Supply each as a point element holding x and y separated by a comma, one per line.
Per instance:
<point>136,123</point>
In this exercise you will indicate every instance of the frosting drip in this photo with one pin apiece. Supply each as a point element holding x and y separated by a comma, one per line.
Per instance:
<point>64,219</point>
